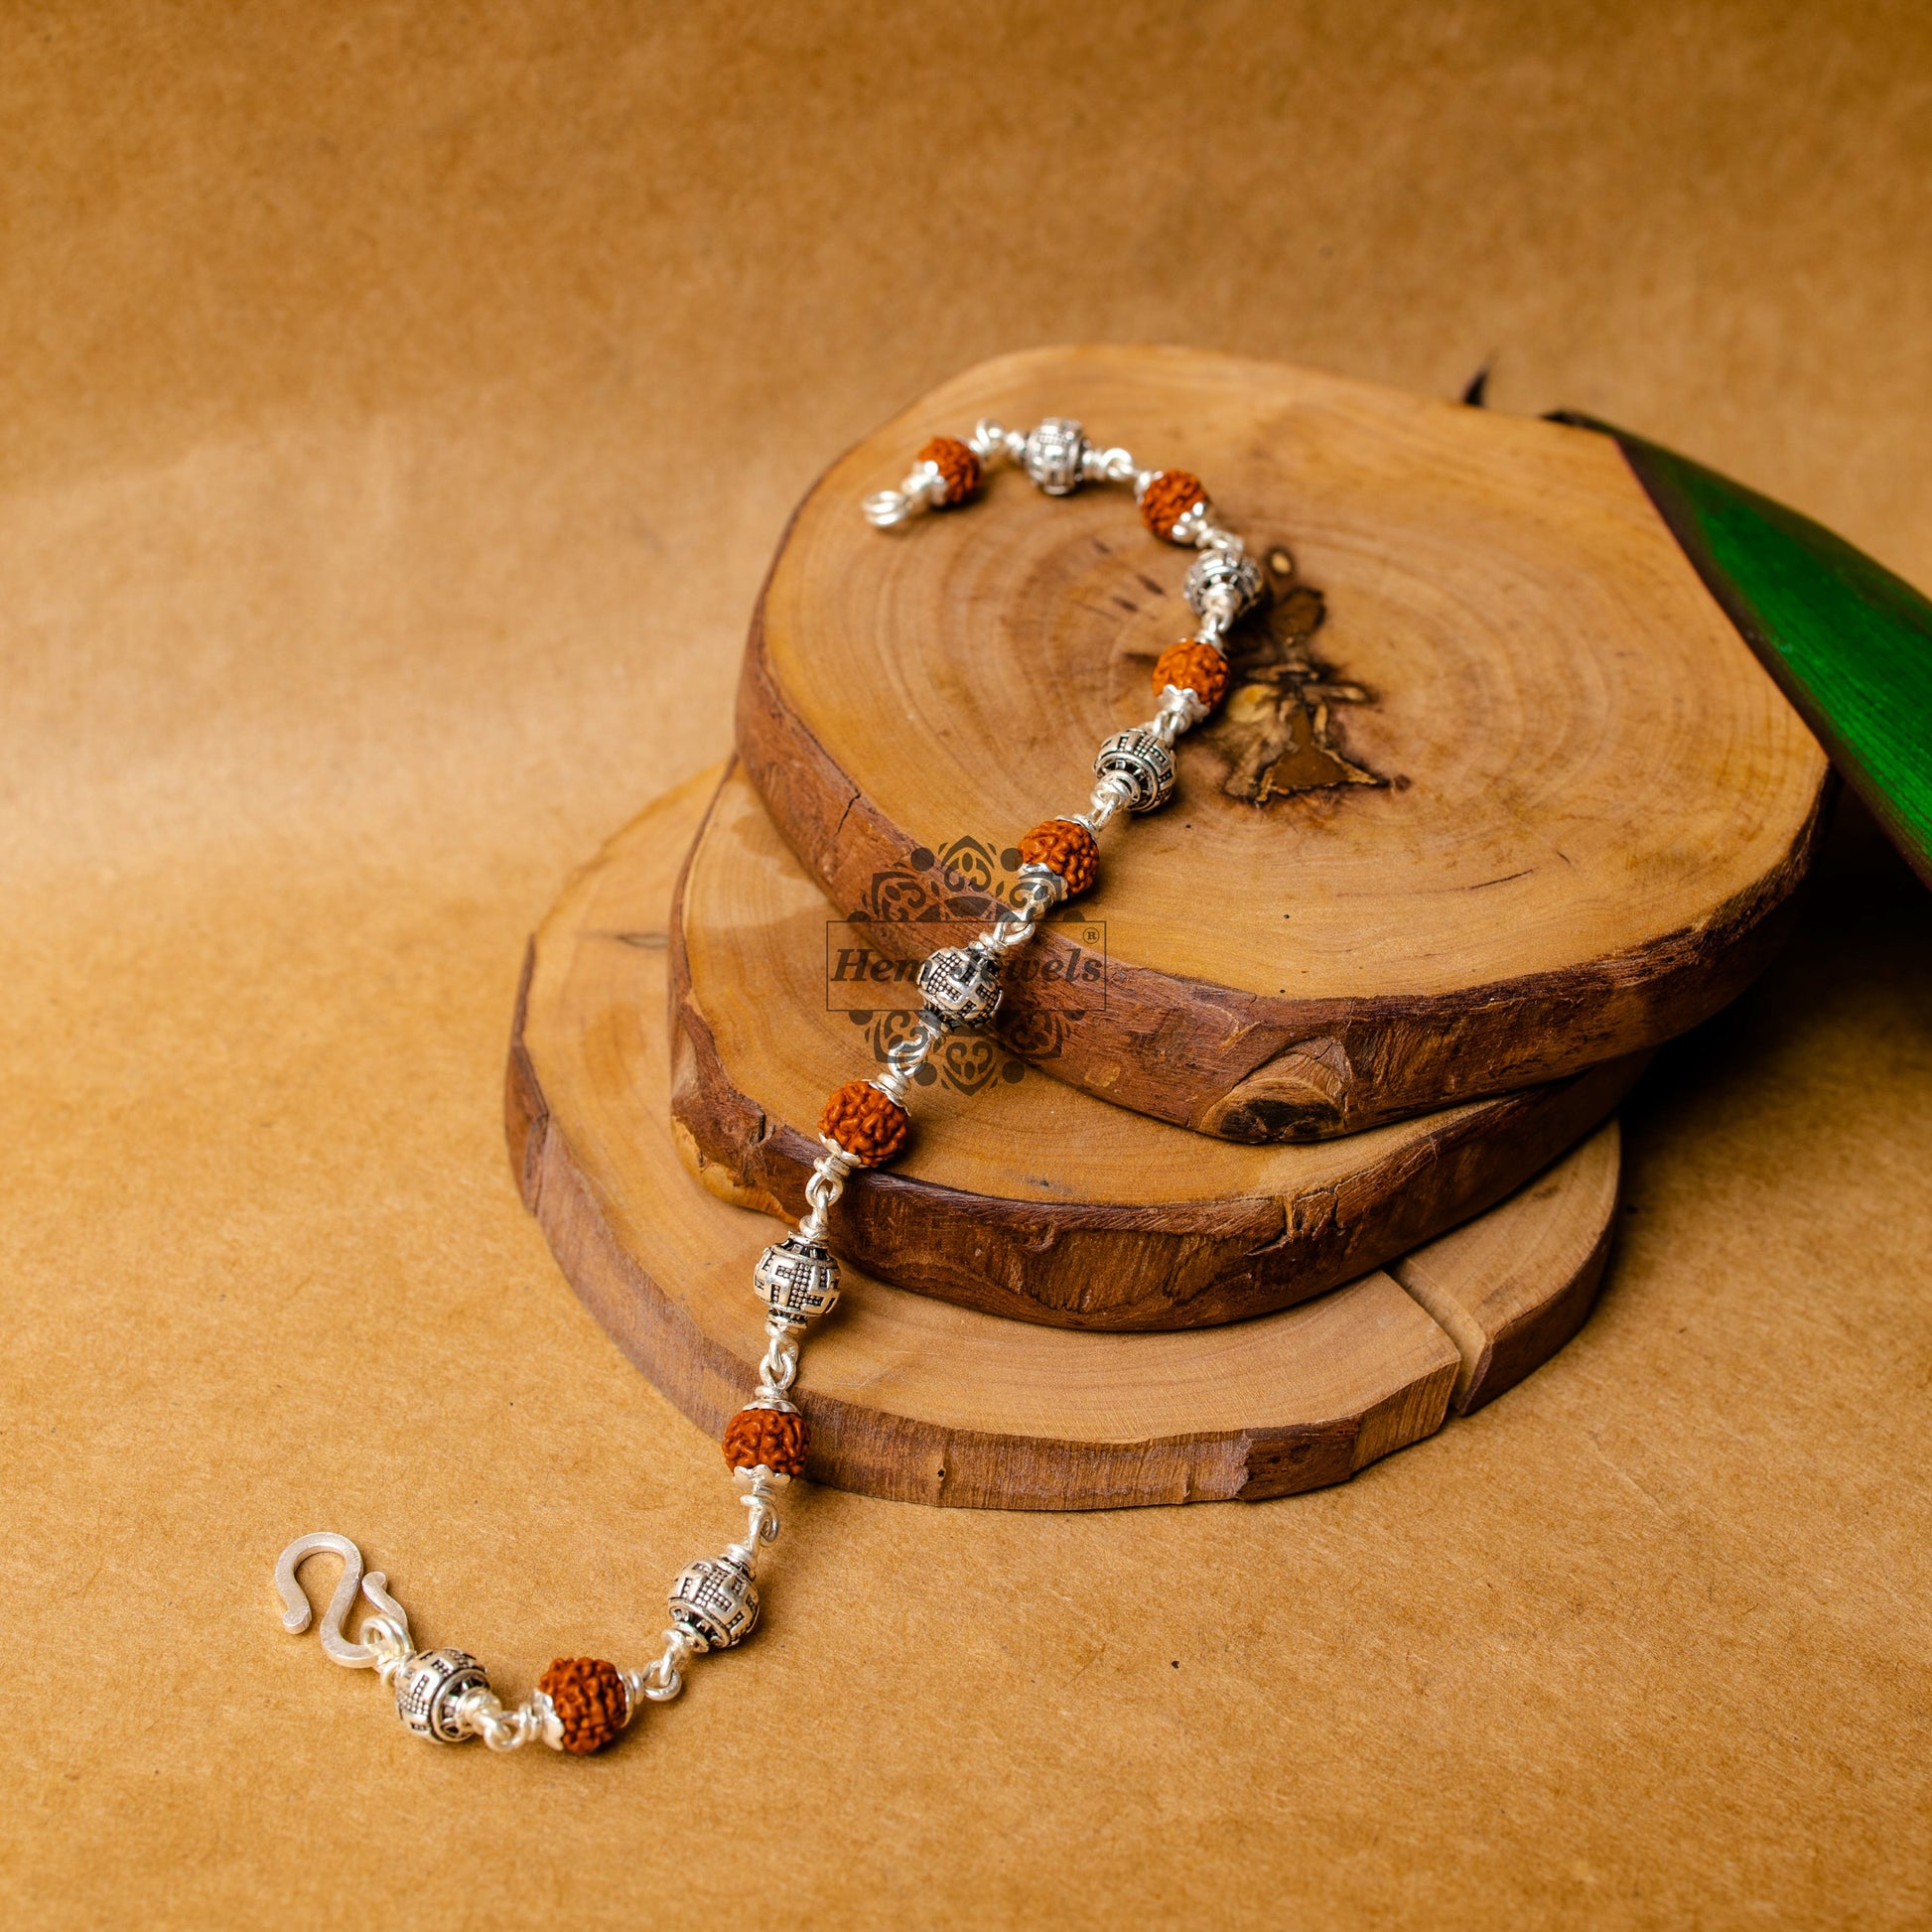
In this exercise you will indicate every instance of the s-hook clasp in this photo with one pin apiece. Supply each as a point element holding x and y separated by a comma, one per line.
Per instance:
<point>296,1612</point>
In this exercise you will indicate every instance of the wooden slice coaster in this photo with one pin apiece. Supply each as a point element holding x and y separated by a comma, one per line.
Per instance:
<point>911,1398</point>
<point>1024,1196</point>
<point>1498,792</point>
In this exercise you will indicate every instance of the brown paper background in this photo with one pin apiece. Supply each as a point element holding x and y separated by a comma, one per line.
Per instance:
<point>399,406</point>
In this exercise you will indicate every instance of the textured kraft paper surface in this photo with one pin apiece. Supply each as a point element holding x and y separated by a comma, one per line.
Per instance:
<point>401,404</point>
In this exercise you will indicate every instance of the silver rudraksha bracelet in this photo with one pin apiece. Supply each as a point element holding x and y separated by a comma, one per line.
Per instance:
<point>581,1703</point>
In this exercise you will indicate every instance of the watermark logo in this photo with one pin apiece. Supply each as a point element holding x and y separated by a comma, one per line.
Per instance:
<point>865,972</point>
<point>951,896</point>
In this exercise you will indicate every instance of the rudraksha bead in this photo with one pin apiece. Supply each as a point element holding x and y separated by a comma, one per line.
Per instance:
<point>1195,667</point>
<point>590,1700</point>
<point>772,1436</point>
<point>871,1126</point>
<point>957,465</point>
<point>1169,497</point>
<point>1065,848</point>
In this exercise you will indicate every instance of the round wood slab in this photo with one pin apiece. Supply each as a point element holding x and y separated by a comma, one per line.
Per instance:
<point>1498,792</point>
<point>914,1398</point>
<point>1024,1196</point>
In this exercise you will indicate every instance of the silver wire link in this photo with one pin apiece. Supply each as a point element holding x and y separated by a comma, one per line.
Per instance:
<point>992,444</point>
<point>1180,709</point>
<point>663,1677</point>
<point>779,1369</point>
<point>762,1522</point>
<point>1109,466</point>
<point>824,1186</point>
<point>905,1057</point>
<point>482,1713</point>
<point>924,488</point>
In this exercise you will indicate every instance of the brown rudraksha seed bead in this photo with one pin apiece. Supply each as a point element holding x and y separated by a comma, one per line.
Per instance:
<point>774,1437</point>
<point>871,1126</point>
<point>1195,667</point>
<point>590,1700</point>
<point>958,467</point>
<point>1067,849</point>
<point>1170,495</point>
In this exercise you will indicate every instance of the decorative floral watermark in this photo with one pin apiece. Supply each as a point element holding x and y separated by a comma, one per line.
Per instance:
<point>952,895</point>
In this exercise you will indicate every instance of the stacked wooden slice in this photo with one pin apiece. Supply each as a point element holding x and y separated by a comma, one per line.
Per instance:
<point>1298,1138</point>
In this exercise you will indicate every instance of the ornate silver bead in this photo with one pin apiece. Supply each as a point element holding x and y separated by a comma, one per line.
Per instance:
<point>1056,456</point>
<point>427,1688</point>
<point>1139,758</point>
<point>1222,583</point>
<point>798,1278</point>
<point>715,1601</point>
<point>961,985</point>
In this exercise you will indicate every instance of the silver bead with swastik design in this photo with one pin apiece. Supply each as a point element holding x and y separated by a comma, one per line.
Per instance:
<point>1222,585</point>
<point>798,1278</point>
<point>961,985</point>
<point>1139,760</point>
<point>428,1685</point>
<point>716,1602</point>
